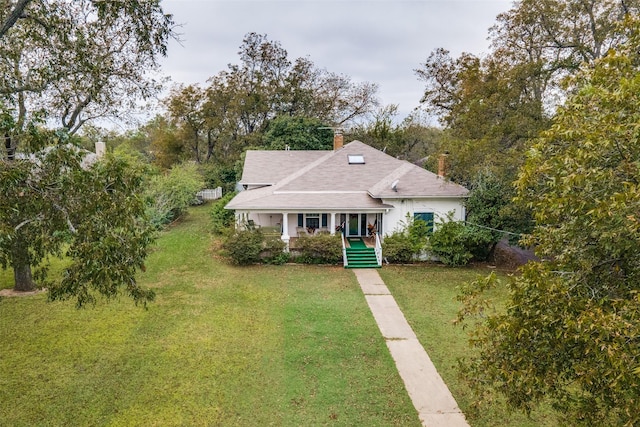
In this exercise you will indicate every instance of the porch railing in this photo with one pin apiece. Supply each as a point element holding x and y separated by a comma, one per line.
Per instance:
<point>344,250</point>
<point>378,250</point>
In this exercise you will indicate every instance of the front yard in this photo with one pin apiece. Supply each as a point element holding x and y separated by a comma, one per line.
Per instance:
<point>221,345</point>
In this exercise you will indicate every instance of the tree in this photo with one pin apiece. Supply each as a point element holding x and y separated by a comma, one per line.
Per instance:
<point>56,205</point>
<point>185,106</point>
<point>490,204</point>
<point>489,109</point>
<point>559,36</point>
<point>298,133</point>
<point>571,330</point>
<point>414,139</point>
<point>73,61</point>
<point>68,62</point>
<point>238,107</point>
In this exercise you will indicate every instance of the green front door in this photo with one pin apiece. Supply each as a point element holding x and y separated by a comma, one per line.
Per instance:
<point>353,225</point>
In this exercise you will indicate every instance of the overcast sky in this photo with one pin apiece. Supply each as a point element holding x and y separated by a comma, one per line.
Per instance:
<point>379,41</point>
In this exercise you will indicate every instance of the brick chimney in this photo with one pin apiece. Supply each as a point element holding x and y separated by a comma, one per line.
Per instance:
<point>442,165</point>
<point>338,140</point>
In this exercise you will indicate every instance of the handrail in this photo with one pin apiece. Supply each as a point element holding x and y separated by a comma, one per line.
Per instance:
<point>378,250</point>
<point>344,250</point>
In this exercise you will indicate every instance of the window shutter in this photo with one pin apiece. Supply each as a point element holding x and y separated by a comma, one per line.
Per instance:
<point>426,217</point>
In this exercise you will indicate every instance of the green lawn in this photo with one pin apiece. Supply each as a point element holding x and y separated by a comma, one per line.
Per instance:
<point>221,345</point>
<point>427,297</point>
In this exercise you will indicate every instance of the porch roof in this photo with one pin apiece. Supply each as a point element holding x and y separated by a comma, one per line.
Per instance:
<point>266,199</point>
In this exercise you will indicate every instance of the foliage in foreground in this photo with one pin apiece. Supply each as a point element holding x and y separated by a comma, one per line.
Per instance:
<point>571,333</point>
<point>54,206</point>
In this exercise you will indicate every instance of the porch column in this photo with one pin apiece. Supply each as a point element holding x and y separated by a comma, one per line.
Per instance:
<point>332,224</point>
<point>285,230</point>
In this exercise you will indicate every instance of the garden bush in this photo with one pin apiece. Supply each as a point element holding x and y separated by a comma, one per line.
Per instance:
<point>243,247</point>
<point>222,219</point>
<point>448,244</point>
<point>398,248</point>
<point>169,195</point>
<point>319,249</point>
<point>455,243</point>
<point>273,251</point>
<point>404,245</point>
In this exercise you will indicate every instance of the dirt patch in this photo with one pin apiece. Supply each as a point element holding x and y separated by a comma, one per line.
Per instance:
<point>12,293</point>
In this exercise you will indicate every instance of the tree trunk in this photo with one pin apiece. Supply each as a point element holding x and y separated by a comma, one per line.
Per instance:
<point>22,267</point>
<point>23,280</point>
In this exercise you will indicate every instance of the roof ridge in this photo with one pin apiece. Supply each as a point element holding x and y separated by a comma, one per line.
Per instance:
<point>388,179</point>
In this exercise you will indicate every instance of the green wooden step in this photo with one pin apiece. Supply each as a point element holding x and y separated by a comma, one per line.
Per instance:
<point>361,257</point>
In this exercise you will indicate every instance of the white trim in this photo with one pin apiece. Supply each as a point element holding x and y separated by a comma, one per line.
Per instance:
<point>320,192</point>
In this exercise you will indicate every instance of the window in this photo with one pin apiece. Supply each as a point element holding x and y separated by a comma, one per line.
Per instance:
<point>356,159</point>
<point>312,220</point>
<point>426,217</point>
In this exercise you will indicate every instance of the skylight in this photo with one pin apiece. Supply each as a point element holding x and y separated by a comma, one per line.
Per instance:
<point>356,159</point>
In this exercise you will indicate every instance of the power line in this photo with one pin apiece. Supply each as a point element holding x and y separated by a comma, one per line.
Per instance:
<point>495,229</point>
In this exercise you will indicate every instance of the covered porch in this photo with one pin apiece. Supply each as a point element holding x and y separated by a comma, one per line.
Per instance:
<point>293,224</point>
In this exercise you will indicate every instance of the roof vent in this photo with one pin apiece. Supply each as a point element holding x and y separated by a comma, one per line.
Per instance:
<point>394,185</point>
<point>356,159</point>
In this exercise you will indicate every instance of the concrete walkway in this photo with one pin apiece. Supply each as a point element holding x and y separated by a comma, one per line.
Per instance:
<point>430,395</point>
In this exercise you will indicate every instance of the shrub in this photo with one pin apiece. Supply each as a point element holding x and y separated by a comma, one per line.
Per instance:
<point>319,249</point>
<point>404,245</point>
<point>418,231</point>
<point>222,218</point>
<point>169,195</point>
<point>398,248</point>
<point>273,251</point>
<point>243,247</point>
<point>448,244</point>
<point>480,242</point>
<point>456,244</point>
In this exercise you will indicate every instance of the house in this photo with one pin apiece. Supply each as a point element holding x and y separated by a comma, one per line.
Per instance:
<point>354,188</point>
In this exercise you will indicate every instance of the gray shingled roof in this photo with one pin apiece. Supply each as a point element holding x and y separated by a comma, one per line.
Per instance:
<point>269,167</point>
<point>325,179</point>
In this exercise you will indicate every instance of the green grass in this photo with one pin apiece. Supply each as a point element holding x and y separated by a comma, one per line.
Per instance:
<point>221,345</point>
<point>427,297</point>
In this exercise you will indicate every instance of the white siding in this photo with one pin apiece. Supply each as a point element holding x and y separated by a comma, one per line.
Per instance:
<point>396,217</point>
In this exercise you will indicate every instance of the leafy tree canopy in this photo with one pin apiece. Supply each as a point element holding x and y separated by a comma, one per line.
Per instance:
<point>73,61</point>
<point>571,332</point>
<point>298,133</point>
<point>58,204</point>
<point>239,105</point>
<point>64,63</point>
